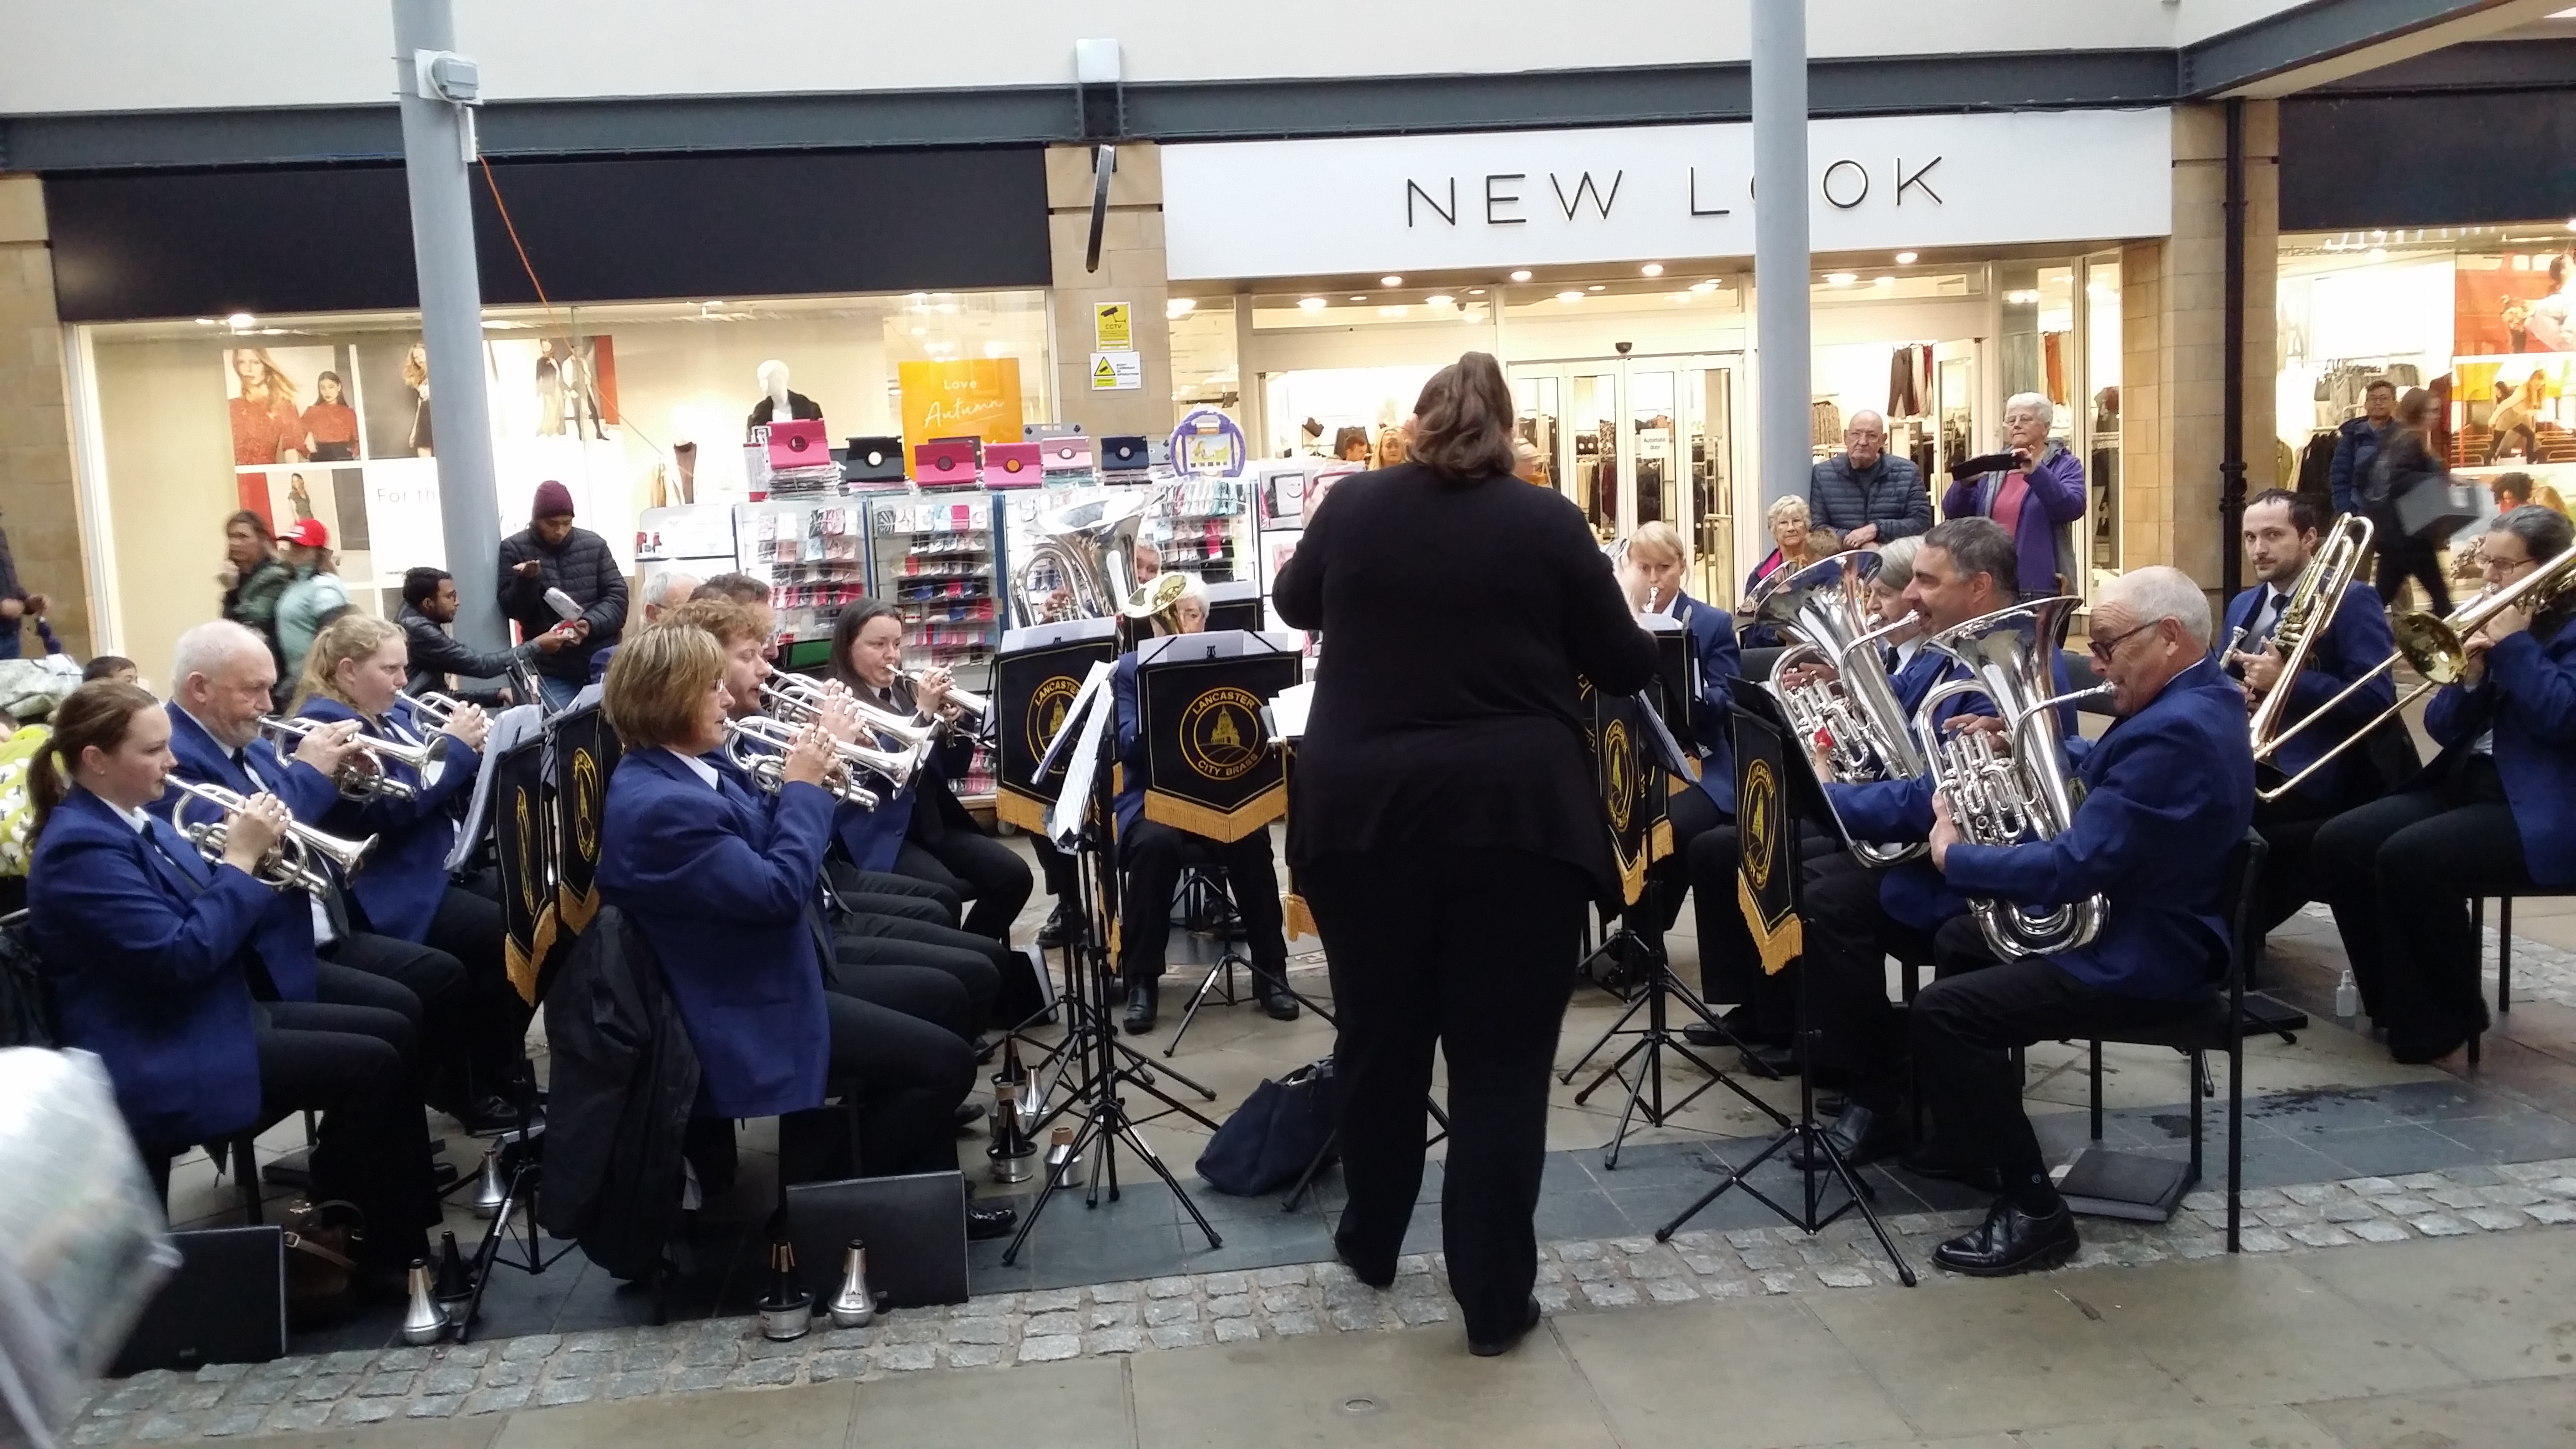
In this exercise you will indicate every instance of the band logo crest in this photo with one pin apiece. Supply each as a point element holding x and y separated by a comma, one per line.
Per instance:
<point>1221,733</point>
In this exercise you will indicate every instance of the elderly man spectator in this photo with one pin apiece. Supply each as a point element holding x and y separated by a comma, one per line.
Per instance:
<point>665,593</point>
<point>2037,500</point>
<point>1867,495</point>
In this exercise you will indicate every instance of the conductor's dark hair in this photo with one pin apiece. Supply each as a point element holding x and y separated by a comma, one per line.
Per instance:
<point>1462,426</point>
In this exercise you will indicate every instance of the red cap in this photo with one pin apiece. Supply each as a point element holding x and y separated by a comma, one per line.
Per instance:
<point>308,534</point>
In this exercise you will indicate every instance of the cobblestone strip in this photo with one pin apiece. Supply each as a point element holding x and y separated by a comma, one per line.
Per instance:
<point>1000,1330</point>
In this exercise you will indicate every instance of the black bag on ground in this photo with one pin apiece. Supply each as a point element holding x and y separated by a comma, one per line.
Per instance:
<point>26,997</point>
<point>1269,1140</point>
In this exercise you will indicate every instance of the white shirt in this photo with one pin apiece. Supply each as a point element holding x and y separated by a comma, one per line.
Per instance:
<point>697,767</point>
<point>323,934</point>
<point>136,818</point>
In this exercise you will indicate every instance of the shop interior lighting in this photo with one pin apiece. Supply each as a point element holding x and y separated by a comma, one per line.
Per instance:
<point>1840,279</point>
<point>1441,299</point>
<point>1652,269</point>
<point>1523,274</point>
<point>1595,287</point>
<point>1390,281</point>
<point>1705,285</point>
<point>1479,291</point>
<point>2571,223</point>
<point>205,321</point>
<point>241,321</point>
<point>921,332</point>
<point>2378,254</point>
<point>996,348</point>
<point>1905,259</point>
<point>1311,304</point>
<point>1359,299</point>
<point>1569,297</point>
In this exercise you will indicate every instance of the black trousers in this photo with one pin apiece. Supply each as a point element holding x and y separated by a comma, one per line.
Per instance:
<point>443,1016</point>
<point>2289,827</point>
<point>977,962</point>
<point>1858,1037</point>
<point>1057,867</point>
<point>1692,815</point>
<point>1468,949</point>
<point>2400,873</point>
<point>348,1063</point>
<point>2402,558</point>
<point>910,1075</point>
<point>1963,1028</point>
<point>886,892</point>
<point>974,867</point>
<point>1730,967</point>
<point>468,927</point>
<point>1154,854</point>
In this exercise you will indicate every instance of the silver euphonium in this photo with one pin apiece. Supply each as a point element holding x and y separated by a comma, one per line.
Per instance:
<point>364,776</point>
<point>758,747</point>
<point>1089,549</point>
<point>2026,790</point>
<point>290,863</point>
<point>1824,608</point>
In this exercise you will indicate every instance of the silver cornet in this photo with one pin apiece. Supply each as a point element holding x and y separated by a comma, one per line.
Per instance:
<point>364,777</point>
<point>290,864</point>
<point>799,701</point>
<point>758,747</point>
<point>977,708</point>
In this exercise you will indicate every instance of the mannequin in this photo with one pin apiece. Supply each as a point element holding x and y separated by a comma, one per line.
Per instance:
<point>776,398</point>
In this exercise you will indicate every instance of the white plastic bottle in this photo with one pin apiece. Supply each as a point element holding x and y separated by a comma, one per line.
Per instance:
<point>2347,996</point>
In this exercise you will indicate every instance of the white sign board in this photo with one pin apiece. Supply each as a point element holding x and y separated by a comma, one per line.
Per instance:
<point>1507,199</point>
<point>1116,371</point>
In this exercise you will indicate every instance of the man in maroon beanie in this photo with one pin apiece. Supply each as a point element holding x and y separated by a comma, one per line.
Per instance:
<point>552,554</point>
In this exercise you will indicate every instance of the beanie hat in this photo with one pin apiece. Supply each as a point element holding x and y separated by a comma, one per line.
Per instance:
<point>552,498</point>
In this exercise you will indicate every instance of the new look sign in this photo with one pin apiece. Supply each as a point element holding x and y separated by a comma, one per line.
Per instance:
<point>1534,198</point>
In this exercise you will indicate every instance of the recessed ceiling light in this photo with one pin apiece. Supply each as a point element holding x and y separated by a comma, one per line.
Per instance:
<point>1710,285</point>
<point>1390,281</point>
<point>1441,299</point>
<point>1311,304</point>
<point>1884,282</point>
<point>1595,287</point>
<point>1839,279</point>
<point>241,321</point>
<point>1905,259</point>
<point>713,302</point>
<point>205,321</point>
<point>1652,269</point>
<point>1359,299</point>
<point>1523,274</point>
<point>1475,291</point>
<point>1569,296</point>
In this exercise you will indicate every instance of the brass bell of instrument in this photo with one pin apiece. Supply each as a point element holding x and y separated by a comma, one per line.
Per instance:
<point>787,1312</point>
<point>424,1320</point>
<point>493,1189</point>
<point>854,1306</point>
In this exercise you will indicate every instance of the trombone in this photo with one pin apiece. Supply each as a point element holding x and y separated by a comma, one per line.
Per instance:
<point>2306,615</point>
<point>291,863</point>
<point>365,777</point>
<point>758,746</point>
<point>2438,649</point>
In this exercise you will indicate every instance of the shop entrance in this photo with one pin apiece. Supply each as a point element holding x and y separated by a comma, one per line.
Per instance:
<point>1634,439</point>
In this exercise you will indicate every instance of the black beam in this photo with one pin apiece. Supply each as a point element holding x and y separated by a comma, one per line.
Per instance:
<point>2305,35</point>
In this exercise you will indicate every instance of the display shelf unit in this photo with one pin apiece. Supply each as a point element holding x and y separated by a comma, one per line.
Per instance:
<point>934,558</point>
<point>813,554</point>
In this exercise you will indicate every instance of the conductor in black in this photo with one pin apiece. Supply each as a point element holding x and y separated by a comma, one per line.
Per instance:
<point>1444,822</point>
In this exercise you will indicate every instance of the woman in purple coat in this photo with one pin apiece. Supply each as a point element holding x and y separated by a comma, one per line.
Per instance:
<point>2037,500</point>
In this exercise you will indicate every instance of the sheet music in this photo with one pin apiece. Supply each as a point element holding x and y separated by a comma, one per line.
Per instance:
<point>1064,821</point>
<point>1289,710</point>
<point>510,728</point>
<point>1095,689</point>
<point>1217,644</point>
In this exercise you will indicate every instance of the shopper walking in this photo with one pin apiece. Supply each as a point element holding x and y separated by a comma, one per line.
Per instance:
<point>312,599</point>
<point>2402,464</point>
<point>550,553</point>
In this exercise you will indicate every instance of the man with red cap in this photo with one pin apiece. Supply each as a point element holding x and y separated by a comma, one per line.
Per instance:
<point>315,598</point>
<point>551,554</point>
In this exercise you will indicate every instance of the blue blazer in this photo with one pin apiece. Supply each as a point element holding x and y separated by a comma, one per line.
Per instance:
<point>1901,810</point>
<point>2528,697</point>
<point>2169,791</point>
<point>285,941</point>
<point>721,883</point>
<point>145,950</point>
<point>406,876</point>
<point>1712,634</point>
<point>2356,638</point>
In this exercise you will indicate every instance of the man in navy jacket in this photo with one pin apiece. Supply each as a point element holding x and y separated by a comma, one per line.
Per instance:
<point>2280,539</point>
<point>2357,440</point>
<point>2169,790</point>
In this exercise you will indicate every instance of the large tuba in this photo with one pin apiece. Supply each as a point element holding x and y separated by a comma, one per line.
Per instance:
<point>1087,552</point>
<point>1855,716</point>
<point>2305,616</point>
<point>2024,791</point>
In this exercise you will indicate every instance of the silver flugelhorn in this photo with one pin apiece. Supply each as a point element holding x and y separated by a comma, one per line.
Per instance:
<point>364,777</point>
<point>2025,790</point>
<point>1824,607</point>
<point>758,746</point>
<point>290,864</point>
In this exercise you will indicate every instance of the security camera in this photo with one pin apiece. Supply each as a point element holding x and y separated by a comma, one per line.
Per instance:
<point>1623,347</point>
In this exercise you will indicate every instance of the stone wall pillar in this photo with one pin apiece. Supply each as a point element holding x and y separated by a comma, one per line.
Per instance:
<point>2173,295</point>
<point>39,502</point>
<point>1131,271</point>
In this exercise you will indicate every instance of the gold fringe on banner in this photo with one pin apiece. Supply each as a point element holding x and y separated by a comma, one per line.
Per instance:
<point>1659,841</point>
<point>1632,876</point>
<point>522,966</point>
<point>1299,920</point>
<point>1780,941</point>
<point>1223,826</point>
<point>573,912</point>
<point>1021,809</point>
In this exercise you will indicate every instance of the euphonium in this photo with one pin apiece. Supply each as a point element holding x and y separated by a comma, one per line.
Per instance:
<point>1856,716</point>
<point>364,777</point>
<point>2306,615</point>
<point>290,863</point>
<point>2026,790</point>
<point>1090,549</point>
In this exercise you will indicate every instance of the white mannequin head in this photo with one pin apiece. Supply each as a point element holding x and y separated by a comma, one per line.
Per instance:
<point>773,381</point>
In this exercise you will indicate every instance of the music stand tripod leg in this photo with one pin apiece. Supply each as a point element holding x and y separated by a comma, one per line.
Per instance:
<point>1224,966</point>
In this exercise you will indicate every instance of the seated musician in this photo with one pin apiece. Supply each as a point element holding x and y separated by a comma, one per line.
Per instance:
<point>2169,790</point>
<point>2280,540</point>
<point>1153,854</point>
<point>2494,812</point>
<point>941,843</point>
<point>307,948</point>
<point>1651,573</point>
<point>933,971</point>
<point>152,948</point>
<point>354,672</point>
<point>724,885</point>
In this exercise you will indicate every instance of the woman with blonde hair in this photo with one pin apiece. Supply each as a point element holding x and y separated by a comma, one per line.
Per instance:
<point>267,426</point>
<point>1655,566</point>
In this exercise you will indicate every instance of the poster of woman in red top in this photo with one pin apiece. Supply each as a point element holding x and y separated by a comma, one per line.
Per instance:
<point>269,389</point>
<point>331,424</point>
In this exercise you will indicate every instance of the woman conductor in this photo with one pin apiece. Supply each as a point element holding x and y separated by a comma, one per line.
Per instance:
<point>1444,826</point>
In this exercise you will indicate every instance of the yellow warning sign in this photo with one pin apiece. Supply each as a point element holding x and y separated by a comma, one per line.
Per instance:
<point>1115,327</point>
<point>1116,371</point>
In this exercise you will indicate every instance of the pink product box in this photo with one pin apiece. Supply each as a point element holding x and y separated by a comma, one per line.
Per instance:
<point>1013,465</point>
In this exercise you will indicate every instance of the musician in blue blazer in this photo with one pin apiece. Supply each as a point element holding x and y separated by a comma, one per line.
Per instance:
<point>2280,539</point>
<point>148,945</point>
<point>1651,572</point>
<point>724,884</point>
<point>2169,792</point>
<point>2494,813</point>
<point>354,674</point>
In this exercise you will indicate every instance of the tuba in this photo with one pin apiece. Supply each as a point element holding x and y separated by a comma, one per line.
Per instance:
<point>1855,717</point>
<point>2004,796</point>
<point>1089,550</point>
<point>289,865</point>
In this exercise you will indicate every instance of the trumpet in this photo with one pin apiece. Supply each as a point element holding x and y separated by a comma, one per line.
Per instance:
<point>291,863</point>
<point>758,746</point>
<point>800,701</point>
<point>977,708</point>
<point>365,777</point>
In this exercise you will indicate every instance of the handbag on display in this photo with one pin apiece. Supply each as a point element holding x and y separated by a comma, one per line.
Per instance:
<point>1269,1141</point>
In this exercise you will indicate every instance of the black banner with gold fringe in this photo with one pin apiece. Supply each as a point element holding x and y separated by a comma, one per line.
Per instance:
<point>521,831</point>
<point>586,750</point>
<point>1766,884</point>
<point>1209,766</point>
<point>1036,675</point>
<point>1640,833</point>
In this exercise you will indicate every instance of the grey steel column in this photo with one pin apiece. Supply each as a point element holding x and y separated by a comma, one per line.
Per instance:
<point>451,317</point>
<point>1780,256</point>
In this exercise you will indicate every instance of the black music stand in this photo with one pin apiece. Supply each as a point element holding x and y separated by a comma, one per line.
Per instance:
<point>1775,797</point>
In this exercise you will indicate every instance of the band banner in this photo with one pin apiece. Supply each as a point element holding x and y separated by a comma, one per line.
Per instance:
<point>1036,675</point>
<point>520,830</point>
<point>1209,767</point>
<point>1639,832</point>
<point>1766,883</point>
<point>586,750</point>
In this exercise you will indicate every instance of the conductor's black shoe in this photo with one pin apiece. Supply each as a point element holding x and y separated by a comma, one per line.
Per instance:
<point>488,1117</point>
<point>989,1220</point>
<point>1062,925</point>
<point>1483,1348</point>
<point>2011,1241</point>
<point>1140,1008</point>
<point>1276,998</point>
<point>1859,1136</point>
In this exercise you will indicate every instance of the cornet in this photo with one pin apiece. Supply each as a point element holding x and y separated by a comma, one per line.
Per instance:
<point>364,777</point>
<point>976,709</point>
<point>800,701</point>
<point>758,746</point>
<point>290,863</point>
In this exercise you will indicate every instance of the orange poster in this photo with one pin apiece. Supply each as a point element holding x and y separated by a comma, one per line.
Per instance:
<point>975,397</point>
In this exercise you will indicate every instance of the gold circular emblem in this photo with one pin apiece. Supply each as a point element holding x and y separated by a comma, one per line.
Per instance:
<point>585,804</point>
<point>529,864</point>
<point>1761,799</point>
<point>1047,705</point>
<point>1619,771</point>
<point>1221,733</point>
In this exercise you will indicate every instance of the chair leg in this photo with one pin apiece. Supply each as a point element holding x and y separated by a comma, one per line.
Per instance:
<point>2094,1076</point>
<point>2504,955</point>
<point>2197,1067</point>
<point>2235,1132</point>
<point>246,1178</point>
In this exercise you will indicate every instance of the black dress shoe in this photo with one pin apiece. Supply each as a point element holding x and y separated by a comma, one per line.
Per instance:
<point>989,1220</point>
<point>1141,1003</point>
<point>1482,1348</point>
<point>1771,1059</point>
<point>1860,1136</point>
<point>1737,1019</point>
<point>1275,997</point>
<point>489,1117</point>
<point>2011,1241</point>
<point>1062,925</point>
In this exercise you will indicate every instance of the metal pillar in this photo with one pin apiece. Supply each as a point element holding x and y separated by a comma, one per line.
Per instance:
<point>1780,254</point>
<point>2231,466</point>
<point>435,144</point>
